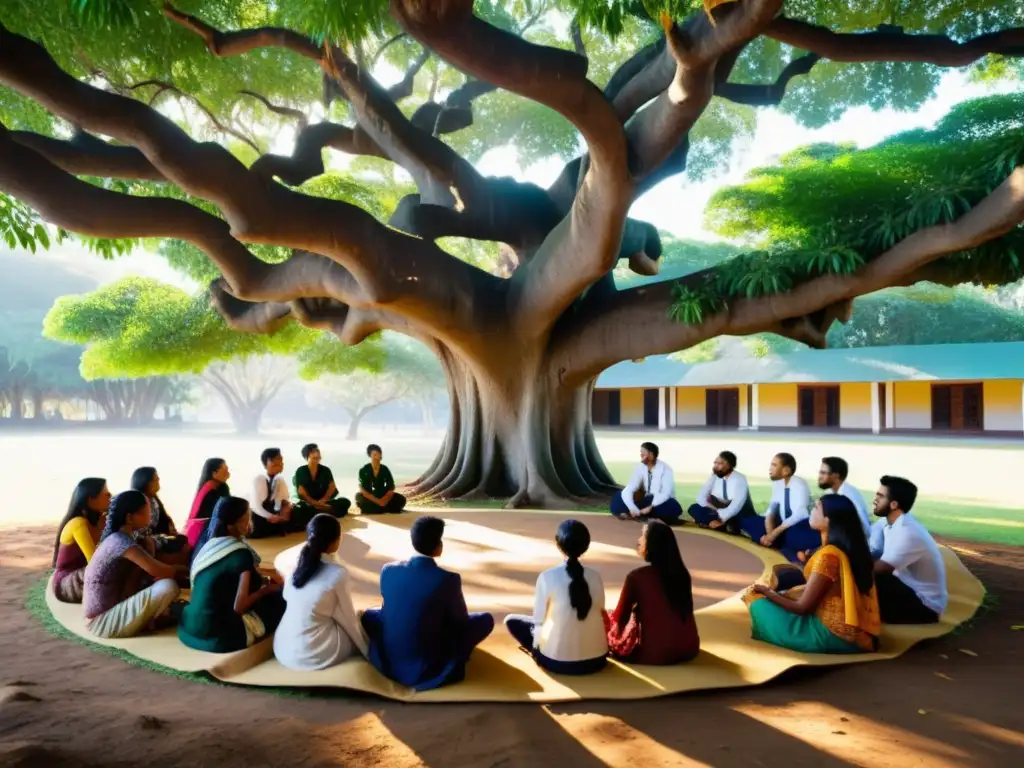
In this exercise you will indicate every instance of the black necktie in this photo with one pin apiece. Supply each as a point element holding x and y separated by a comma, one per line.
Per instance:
<point>270,488</point>
<point>787,510</point>
<point>650,479</point>
<point>725,491</point>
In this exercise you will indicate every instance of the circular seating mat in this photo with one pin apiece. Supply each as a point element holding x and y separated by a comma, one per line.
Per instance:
<point>499,555</point>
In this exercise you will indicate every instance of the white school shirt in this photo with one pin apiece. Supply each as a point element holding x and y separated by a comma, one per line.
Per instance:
<point>558,633</point>
<point>662,484</point>
<point>799,501</point>
<point>736,489</point>
<point>917,561</point>
<point>853,495</point>
<point>320,626</point>
<point>258,493</point>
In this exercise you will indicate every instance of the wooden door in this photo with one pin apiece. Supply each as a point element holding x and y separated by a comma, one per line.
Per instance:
<point>651,407</point>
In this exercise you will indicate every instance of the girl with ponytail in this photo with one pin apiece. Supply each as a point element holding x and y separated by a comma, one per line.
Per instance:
<point>77,537</point>
<point>566,634</point>
<point>232,605</point>
<point>320,627</point>
<point>127,591</point>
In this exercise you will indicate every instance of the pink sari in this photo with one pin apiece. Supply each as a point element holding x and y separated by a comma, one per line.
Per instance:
<point>202,510</point>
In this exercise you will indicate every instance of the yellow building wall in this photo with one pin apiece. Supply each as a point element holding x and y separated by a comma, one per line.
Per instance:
<point>1002,406</point>
<point>777,405</point>
<point>855,406</point>
<point>691,409</point>
<point>912,408</point>
<point>631,406</point>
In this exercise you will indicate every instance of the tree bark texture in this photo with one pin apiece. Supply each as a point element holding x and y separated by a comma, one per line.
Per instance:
<point>521,349</point>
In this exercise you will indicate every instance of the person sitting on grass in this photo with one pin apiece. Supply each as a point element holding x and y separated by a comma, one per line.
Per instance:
<point>653,622</point>
<point>832,606</point>
<point>320,627</point>
<point>127,591</point>
<point>566,634</point>
<point>213,486</point>
<point>725,498</point>
<point>786,526</point>
<point>77,537</point>
<point>910,574</point>
<point>314,485</point>
<point>161,539</point>
<point>651,491</point>
<point>271,507</point>
<point>423,634</point>
<point>377,492</point>
<point>232,605</point>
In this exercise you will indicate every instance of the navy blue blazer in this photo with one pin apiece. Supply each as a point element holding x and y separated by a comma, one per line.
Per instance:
<point>425,623</point>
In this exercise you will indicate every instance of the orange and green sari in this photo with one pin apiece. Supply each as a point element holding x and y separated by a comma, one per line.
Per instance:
<point>845,621</point>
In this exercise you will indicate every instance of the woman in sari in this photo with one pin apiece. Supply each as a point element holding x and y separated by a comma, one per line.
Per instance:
<point>835,609</point>
<point>161,537</point>
<point>320,627</point>
<point>213,486</point>
<point>232,605</point>
<point>126,590</point>
<point>653,622</point>
<point>77,537</point>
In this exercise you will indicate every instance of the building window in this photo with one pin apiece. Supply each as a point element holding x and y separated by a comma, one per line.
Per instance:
<point>957,407</point>
<point>606,408</point>
<point>818,406</point>
<point>722,407</point>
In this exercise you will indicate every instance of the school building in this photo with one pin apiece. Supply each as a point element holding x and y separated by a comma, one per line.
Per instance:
<point>949,388</point>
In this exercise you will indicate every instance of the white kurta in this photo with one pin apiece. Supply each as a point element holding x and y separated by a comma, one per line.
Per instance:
<point>320,627</point>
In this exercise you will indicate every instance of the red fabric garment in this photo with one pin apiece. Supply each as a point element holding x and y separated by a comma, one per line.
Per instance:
<point>665,637</point>
<point>69,560</point>
<point>202,508</point>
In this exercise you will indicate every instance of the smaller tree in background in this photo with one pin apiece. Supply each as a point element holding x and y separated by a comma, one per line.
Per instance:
<point>139,328</point>
<point>408,371</point>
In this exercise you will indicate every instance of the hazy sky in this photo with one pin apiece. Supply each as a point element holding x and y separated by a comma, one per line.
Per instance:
<point>677,205</point>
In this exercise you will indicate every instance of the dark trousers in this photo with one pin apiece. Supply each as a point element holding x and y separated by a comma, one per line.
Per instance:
<point>899,604</point>
<point>669,510</point>
<point>521,628</point>
<point>394,506</point>
<point>302,512</point>
<point>479,629</point>
<point>706,515</point>
<point>797,538</point>
<point>264,529</point>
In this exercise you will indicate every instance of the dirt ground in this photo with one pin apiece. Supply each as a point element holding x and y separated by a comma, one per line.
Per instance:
<point>952,702</point>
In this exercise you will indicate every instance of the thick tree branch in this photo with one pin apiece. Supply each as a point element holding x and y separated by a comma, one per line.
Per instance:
<point>85,155</point>
<point>225,44</point>
<point>635,323</point>
<point>165,87</point>
<point>404,87</point>
<point>770,94</point>
<point>307,161</point>
<point>895,45</point>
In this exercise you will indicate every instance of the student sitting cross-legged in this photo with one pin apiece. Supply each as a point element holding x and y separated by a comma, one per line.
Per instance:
<point>651,491</point>
<point>653,622</point>
<point>566,634</point>
<point>213,486</point>
<point>77,537</point>
<point>786,526</point>
<point>232,605</point>
<point>423,634</point>
<point>725,498</point>
<point>910,574</point>
<point>832,607</point>
<point>314,485</point>
<point>377,492</point>
<point>127,591</point>
<point>268,498</point>
<point>320,627</point>
<point>161,538</point>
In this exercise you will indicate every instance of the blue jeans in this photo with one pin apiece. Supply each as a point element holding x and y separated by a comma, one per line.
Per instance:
<point>669,510</point>
<point>521,628</point>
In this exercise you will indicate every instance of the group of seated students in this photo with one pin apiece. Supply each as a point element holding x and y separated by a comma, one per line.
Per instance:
<point>856,574</point>
<point>124,560</point>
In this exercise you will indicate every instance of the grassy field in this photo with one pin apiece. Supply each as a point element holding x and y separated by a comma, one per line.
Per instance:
<point>41,468</point>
